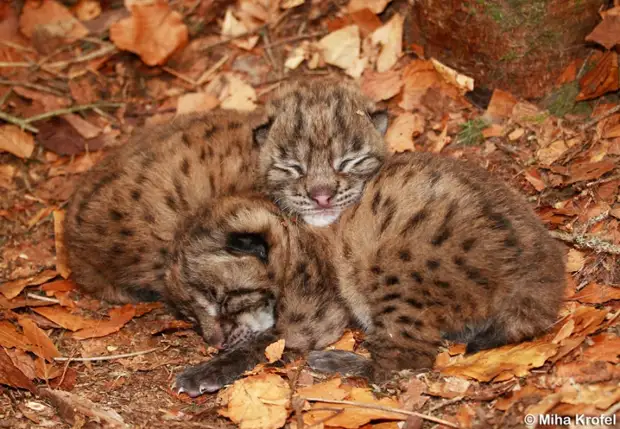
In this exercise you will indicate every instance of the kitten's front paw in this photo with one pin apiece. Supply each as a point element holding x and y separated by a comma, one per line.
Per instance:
<point>340,361</point>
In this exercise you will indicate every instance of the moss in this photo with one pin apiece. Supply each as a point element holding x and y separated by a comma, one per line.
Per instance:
<point>562,101</point>
<point>471,132</point>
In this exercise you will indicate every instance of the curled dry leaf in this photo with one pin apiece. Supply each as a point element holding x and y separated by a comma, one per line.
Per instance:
<point>232,27</point>
<point>13,288</point>
<point>514,360</point>
<point>418,77</point>
<point>274,351</point>
<point>16,141</point>
<point>464,83</point>
<point>153,31</point>
<point>258,402</point>
<point>390,37</point>
<point>50,15</point>
<point>23,361</point>
<point>10,375</point>
<point>61,252</point>
<point>399,136</point>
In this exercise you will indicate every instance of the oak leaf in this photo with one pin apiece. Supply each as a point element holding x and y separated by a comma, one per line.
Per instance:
<point>153,31</point>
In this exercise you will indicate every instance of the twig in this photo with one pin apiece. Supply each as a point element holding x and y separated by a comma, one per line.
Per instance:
<point>18,46</point>
<point>179,75</point>
<point>42,298</point>
<point>446,403</point>
<point>87,57</point>
<point>30,85</point>
<point>295,39</point>
<point>209,72</point>
<point>388,409</point>
<point>16,121</point>
<point>17,64</point>
<point>239,36</point>
<point>102,358</point>
<point>586,241</point>
<point>67,110</point>
<point>600,117</point>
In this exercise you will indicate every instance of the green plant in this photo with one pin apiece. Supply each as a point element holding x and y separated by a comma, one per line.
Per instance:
<point>471,132</point>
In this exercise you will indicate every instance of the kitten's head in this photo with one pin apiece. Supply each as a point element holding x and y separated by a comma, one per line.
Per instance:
<point>225,267</point>
<point>322,144</point>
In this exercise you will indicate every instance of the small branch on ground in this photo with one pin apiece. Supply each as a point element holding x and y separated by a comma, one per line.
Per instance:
<point>110,357</point>
<point>31,86</point>
<point>86,57</point>
<point>388,409</point>
<point>42,298</point>
<point>586,241</point>
<point>68,110</point>
<point>600,117</point>
<point>295,39</point>
<point>19,122</point>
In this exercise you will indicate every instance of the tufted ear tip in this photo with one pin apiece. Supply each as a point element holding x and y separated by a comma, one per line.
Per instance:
<point>380,120</point>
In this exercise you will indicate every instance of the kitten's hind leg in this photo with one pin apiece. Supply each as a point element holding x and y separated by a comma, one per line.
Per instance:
<point>340,361</point>
<point>479,336</point>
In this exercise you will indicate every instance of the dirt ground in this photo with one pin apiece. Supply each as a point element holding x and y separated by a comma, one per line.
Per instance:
<point>563,152</point>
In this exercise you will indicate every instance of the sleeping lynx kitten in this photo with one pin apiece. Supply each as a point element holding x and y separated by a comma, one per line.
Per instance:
<point>316,146</point>
<point>436,248</point>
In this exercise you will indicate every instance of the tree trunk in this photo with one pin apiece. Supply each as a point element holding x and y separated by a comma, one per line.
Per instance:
<point>517,45</point>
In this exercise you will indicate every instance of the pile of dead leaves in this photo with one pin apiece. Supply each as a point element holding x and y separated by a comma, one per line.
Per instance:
<point>79,76</point>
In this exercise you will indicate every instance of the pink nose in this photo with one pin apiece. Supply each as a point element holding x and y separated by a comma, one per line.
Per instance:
<point>322,196</point>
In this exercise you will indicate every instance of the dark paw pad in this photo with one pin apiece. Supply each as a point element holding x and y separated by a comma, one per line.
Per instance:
<point>200,379</point>
<point>339,361</point>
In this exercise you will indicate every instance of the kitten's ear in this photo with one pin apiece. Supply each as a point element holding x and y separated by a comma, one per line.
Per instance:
<point>248,243</point>
<point>262,132</point>
<point>380,120</point>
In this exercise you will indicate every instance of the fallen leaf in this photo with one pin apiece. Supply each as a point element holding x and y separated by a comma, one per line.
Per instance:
<point>595,293</point>
<point>411,398</point>
<point>375,6</point>
<point>513,359</point>
<point>64,318</point>
<point>238,95</point>
<point>11,338</point>
<point>493,130</point>
<point>289,4</point>
<point>56,19</point>
<point>327,390</point>
<point>418,76</point>
<point>52,288</point>
<point>46,371</point>
<point>68,405</point>
<point>274,351</point>
<point>399,136</point>
<point>532,175</point>
<point>450,387</point>
<point>551,153</point>
<point>61,252</point>
<point>353,416</point>
<point>500,107</point>
<point>196,102</point>
<point>143,308</point>
<point>527,391</point>
<point>575,261</point>
<point>13,288</point>
<point>390,38</point>
<point>153,31</point>
<point>381,86</point>
<point>346,342</point>
<point>22,361</point>
<point>16,141</point>
<point>603,78</point>
<point>82,126</point>
<point>605,347</point>
<point>607,32</point>
<point>565,331</point>
<point>258,402</point>
<point>41,345</point>
<point>119,317</point>
<point>341,48</point>
<point>11,375</point>
<point>589,171</point>
<point>601,396</point>
<point>464,83</point>
<point>441,141</point>
<point>582,371</point>
<point>169,325</point>
<point>232,27</point>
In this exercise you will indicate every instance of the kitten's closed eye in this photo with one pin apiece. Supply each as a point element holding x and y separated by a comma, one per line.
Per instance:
<point>248,244</point>
<point>294,169</point>
<point>361,165</point>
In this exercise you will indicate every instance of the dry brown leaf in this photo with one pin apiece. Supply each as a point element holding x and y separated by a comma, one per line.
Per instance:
<point>399,136</point>
<point>595,293</point>
<point>10,375</point>
<point>603,78</point>
<point>82,126</point>
<point>52,288</point>
<point>346,342</point>
<point>375,6</point>
<point>196,102</point>
<point>118,318</point>
<point>390,38</point>
<point>289,4</point>
<point>381,86</point>
<point>61,252</point>
<point>494,130</point>
<point>70,404</point>
<point>514,359</point>
<point>327,390</point>
<point>13,288</point>
<point>46,371</point>
<point>258,402</point>
<point>441,141</point>
<point>501,106</point>
<point>353,416</point>
<point>607,32</point>
<point>53,17</point>
<point>10,338</point>
<point>589,171</point>
<point>40,343</point>
<point>85,10</point>
<point>341,48</point>
<point>606,347</point>
<point>238,95</point>
<point>575,261</point>
<point>16,141</point>
<point>64,318</point>
<point>601,396</point>
<point>461,81</point>
<point>23,361</point>
<point>154,32</point>
<point>418,76</point>
<point>532,175</point>
<point>548,155</point>
<point>274,351</point>
<point>232,27</point>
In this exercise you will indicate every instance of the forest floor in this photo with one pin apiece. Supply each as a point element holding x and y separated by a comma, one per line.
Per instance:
<point>69,361</point>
